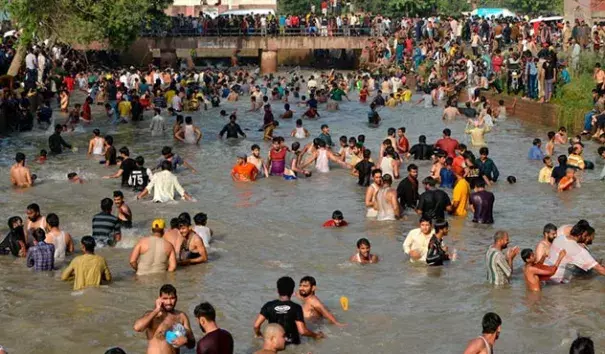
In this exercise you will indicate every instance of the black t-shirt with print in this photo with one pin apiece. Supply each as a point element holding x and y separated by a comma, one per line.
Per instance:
<point>285,313</point>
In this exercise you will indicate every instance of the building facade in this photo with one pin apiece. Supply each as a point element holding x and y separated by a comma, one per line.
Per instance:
<point>194,7</point>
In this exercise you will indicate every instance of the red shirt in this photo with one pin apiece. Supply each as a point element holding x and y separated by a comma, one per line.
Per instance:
<point>324,4</point>
<point>69,82</point>
<point>404,144</point>
<point>331,223</point>
<point>448,145</point>
<point>457,165</point>
<point>86,113</point>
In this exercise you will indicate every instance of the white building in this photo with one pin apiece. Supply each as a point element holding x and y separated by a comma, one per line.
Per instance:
<point>193,7</point>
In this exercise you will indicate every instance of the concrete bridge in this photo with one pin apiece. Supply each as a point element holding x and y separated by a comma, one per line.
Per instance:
<point>267,48</point>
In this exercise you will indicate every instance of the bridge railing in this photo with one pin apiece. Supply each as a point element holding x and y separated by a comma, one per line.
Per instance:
<point>351,31</point>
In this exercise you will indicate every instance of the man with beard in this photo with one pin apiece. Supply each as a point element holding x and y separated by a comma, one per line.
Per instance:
<point>14,242</point>
<point>165,318</point>
<point>543,247</point>
<point>216,340</point>
<point>500,265</point>
<point>484,344</point>
<point>274,339</point>
<point>35,220</point>
<point>407,190</point>
<point>313,309</point>
<point>192,250</point>
<point>286,313</point>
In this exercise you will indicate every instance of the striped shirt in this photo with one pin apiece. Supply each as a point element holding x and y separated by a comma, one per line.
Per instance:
<point>41,256</point>
<point>498,270</point>
<point>104,228</point>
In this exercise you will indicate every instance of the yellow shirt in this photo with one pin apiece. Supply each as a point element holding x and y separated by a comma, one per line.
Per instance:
<point>407,95</point>
<point>576,160</point>
<point>460,194</point>
<point>88,271</point>
<point>545,173</point>
<point>124,107</point>
<point>169,95</point>
<point>391,102</point>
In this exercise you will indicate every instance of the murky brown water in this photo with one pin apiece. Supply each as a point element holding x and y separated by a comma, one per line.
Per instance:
<point>272,228</point>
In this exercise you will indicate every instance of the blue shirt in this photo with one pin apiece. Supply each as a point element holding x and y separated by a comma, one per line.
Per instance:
<point>535,153</point>
<point>447,178</point>
<point>41,256</point>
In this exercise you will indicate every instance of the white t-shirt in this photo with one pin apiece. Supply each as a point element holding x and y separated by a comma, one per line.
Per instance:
<point>176,103</point>
<point>417,241</point>
<point>204,233</point>
<point>576,255</point>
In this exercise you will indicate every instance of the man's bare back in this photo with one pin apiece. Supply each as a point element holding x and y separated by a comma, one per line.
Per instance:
<point>20,176</point>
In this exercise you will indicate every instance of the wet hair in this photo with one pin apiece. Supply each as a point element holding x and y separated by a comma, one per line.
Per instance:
<point>447,132</point>
<point>412,167</point>
<point>167,289</point>
<point>511,179</point>
<point>52,220</point>
<point>363,241</point>
<point>200,219</point>
<point>166,165</point>
<point>166,150</point>
<point>391,131</point>
<point>254,147</point>
<point>299,123</point>
<point>490,323</point>
<point>285,286</point>
<point>174,223</point>
<point>295,146</point>
<point>115,350</point>
<point>109,140</point>
<point>361,138</point>
<point>582,345</point>
<point>337,214</point>
<point>206,311</point>
<point>308,279</point>
<point>536,141</point>
<point>19,157</point>
<point>106,205</point>
<point>375,171</point>
<point>367,153</point>
<point>551,135</point>
<point>140,160</point>
<point>96,132</point>
<point>480,183</point>
<point>39,234</point>
<point>321,143</point>
<point>562,159</point>
<point>124,151</point>
<point>186,216</point>
<point>388,179</point>
<point>324,126</point>
<point>343,139</point>
<point>549,227</point>
<point>430,181</point>
<point>462,147</point>
<point>188,120</point>
<point>89,243</point>
<point>117,194</point>
<point>12,220</point>
<point>440,224</point>
<point>425,219</point>
<point>34,207</point>
<point>402,129</point>
<point>526,253</point>
<point>43,152</point>
<point>601,150</point>
<point>422,139</point>
<point>484,151</point>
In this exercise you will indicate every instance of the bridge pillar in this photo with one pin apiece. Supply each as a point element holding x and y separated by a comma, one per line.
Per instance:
<point>268,61</point>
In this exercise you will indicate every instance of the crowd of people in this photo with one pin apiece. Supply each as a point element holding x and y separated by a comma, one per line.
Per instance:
<point>560,256</point>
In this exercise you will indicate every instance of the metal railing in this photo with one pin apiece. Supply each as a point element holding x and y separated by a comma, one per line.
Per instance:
<point>344,31</point>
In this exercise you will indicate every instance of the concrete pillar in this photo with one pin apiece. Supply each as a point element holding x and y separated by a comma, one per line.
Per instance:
<point>268,61</point>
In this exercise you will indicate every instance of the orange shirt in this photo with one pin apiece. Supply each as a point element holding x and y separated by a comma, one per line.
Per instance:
<point>245,172</point>
<point>566,183</point>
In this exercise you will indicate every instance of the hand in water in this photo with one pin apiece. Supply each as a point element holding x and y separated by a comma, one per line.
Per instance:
<point>414,254</point>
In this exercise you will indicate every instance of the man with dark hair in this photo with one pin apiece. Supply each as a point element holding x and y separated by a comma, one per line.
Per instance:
<point>535,271</point>
<point>499,265</point>
<point>447,144</point>
<point>165,184</point>
<point>61,239</point>
<point>35,220</point>
<point>286,313</point>
<point>139,177</point>
<point>416,243</point>
<point>56,142</point>
<point>124,212</point>
<point>313,308</point>
<point>549,233</point>
<point>421,151</point>
<point>216,340</point>
<point>126,167</point>
<point>88,269</point>
<point>438,253</point>
<point>484,344</point>
<point>192,250</point>
<point>486,166</point>
<point>407,190</point>
<point>559,171</point>
<point>14,242</point>
<point>41,255</point>
<point>174,159</point>
<point>105,226</point>
<point>433,203</point>
<point>363,169</point>
<point>482,204</point>
<point>20,175</point>
<point>163,322</point>
<point>115,350</point>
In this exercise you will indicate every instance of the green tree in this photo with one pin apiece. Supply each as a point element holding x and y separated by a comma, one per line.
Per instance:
<point>79,22</point>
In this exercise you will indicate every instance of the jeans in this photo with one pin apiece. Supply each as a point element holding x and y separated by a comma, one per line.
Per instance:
<point>548,89</point>
<point>588,121</point>
<point>532,86</point>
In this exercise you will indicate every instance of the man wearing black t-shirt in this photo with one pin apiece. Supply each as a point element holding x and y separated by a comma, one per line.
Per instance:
<point>433,203</point>
<point>559,171</point>
<point>363,169</point>
<point>139,177</point>
<point>286,313</point>
<point>216,340</point>
<point>126,167</point>
<point>421,151</point>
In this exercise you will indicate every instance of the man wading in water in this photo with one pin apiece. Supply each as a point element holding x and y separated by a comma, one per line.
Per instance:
<point>484,344</point>
<point>162,319</point>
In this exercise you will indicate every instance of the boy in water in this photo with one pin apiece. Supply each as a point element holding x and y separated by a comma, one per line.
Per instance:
<point>363,255</point>
<point>569,181</point>
<point>336,221</point>
<point>288,112</point>
<point>74,178</point>
<point>124,213</point>
<point>535,271</point>
<point>550,145</point>
<point>203,231</point>
<point>561,136</point>
<point>43,156</point>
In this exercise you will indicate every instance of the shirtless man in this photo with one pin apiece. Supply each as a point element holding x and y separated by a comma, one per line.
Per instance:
<point>192,250</point>
<point>313,309</point>
<point>35,220</point>
<point>363,255</point>
<point>535,271</point>
<point>274,339</point>
<point>484,344</point>
<point>174,237</point>
<point>20,175</point>
<point>543,247</point>
<point>124,213</point>
<point>163,317</point>
<point>450,112</point>
<point>257,160</point>
<point>371,193</point>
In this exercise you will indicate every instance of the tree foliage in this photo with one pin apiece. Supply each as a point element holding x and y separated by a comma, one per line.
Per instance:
<point>83,21</point>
